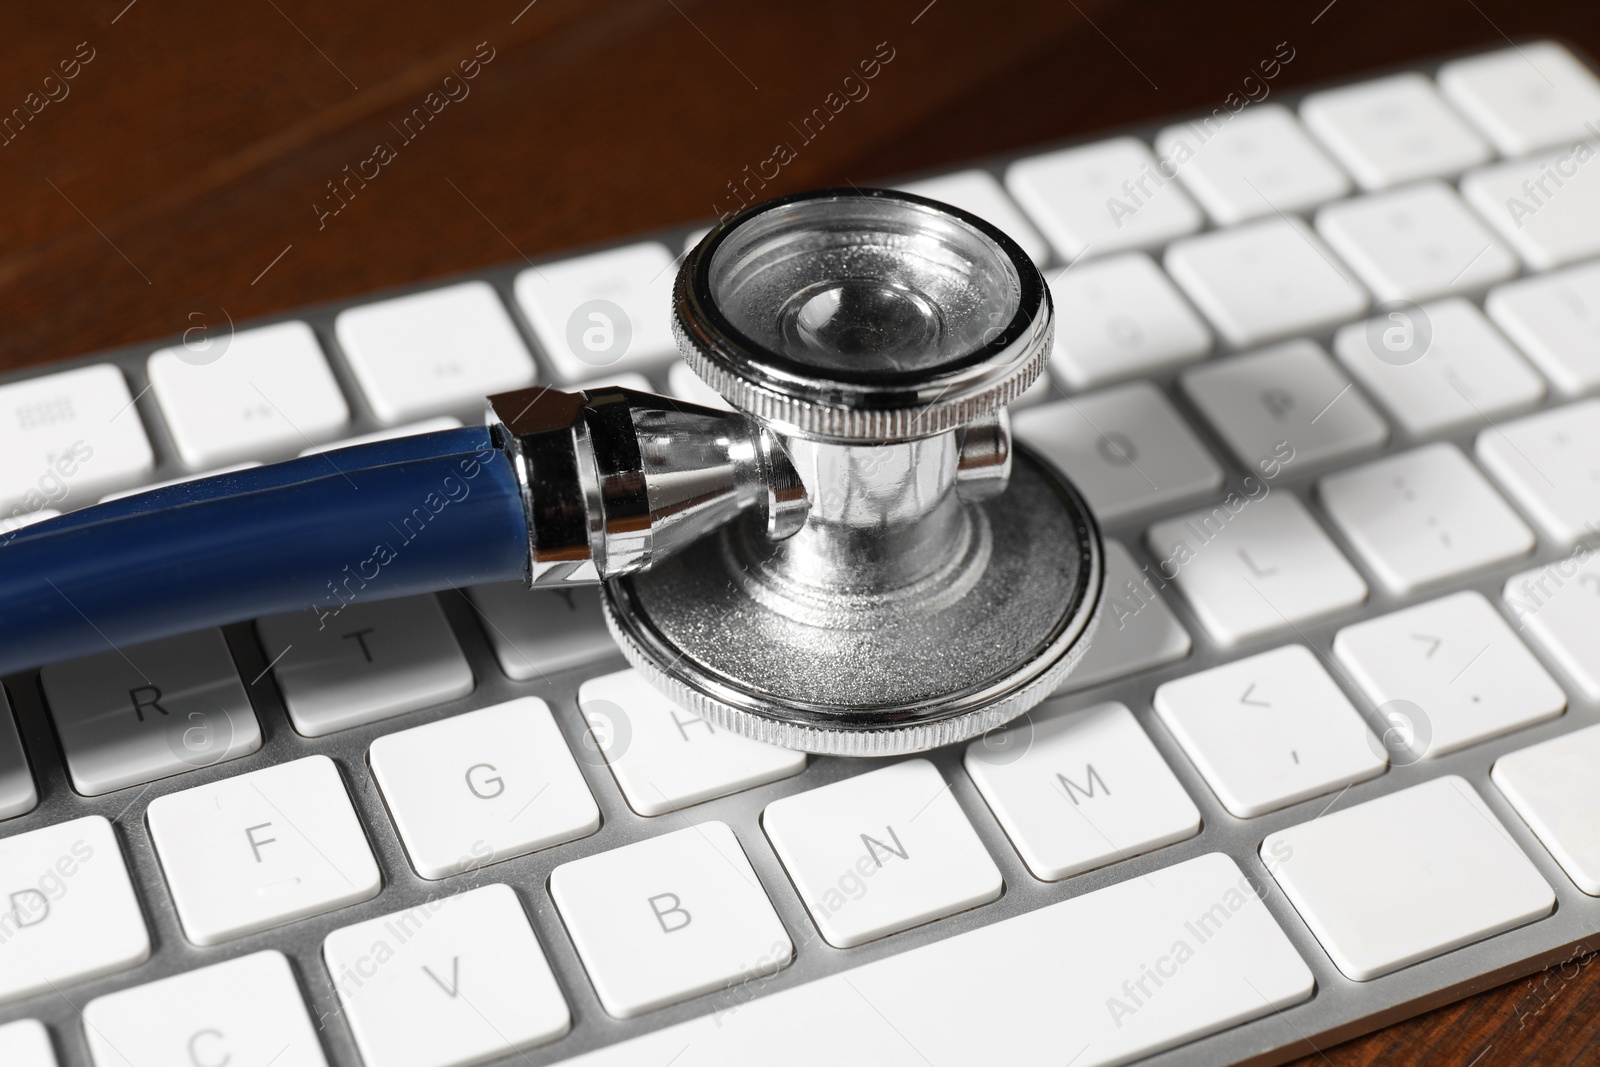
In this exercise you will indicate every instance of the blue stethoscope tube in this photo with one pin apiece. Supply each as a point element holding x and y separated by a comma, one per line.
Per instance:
<point>358,524</point>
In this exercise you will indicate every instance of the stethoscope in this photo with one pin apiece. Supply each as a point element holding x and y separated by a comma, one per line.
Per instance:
<point>857,559</point>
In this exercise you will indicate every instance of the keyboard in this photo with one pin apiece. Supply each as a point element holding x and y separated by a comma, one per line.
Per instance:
<point>1325,370</point>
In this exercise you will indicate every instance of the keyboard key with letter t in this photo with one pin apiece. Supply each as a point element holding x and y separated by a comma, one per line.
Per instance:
<point>1078,789</point>
<point>261,849</point>
<point>363,662</point>
<point>1406,877</point>
<point>881,852</point>
<point>669,918</point>
<point>243,1011</point>
<point>452,983</point>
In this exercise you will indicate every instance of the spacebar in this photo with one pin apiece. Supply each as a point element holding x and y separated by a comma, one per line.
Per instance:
<point>1119,973</point>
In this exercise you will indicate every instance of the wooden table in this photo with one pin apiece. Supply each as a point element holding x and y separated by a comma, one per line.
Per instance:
<point>188,168</point>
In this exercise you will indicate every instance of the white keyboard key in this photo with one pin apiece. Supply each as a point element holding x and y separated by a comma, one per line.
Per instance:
<point>433,351</point>
<point>1101,198</point>
<point>538,632</point>
<point>1265,281</point>
<point>261,849</point>
<point>665,757</point>
<point>410,429</point>
<point>685,384</point>
<point>625,379</point>
<point>607,311</point>
<point>1137,631</point>
<point>196,476</point>
<point>1455,672</point>
<point>977,192</point>
<point>71,914</point>
<point>26,1043</point>
<point>133,715</point>
<point>1125,448</point>
<point>363,662</point>
<point>471,985</point>
<point>669,918</point>
<point>1088,1011</point>
<point>1555,319</point>
<point>1416,243</point>
<point>1078,789</point>
<point>18,795</point>
<point>1260,162</point>
<point>271,392</point>
<point>1394,130</point>
<point>1288,395</point>
<point>68,439</point>
<point>1270,731</point>
<point>1546,207</point>
<point>1423,516</point>
<point>1550,464</point>
<point>482,787</point>
<point>1558,606</point>
<point>1555,787</point>
<point>1254,565</point>
<point>1406,877</point>
<point>244,1011</point>
<point>1525,97</point>
<point>881,852</point>
<point>1439,370</point>
<point>1120,318</point>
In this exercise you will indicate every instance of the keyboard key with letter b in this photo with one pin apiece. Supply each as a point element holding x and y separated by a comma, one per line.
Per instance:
<point>669,918</point>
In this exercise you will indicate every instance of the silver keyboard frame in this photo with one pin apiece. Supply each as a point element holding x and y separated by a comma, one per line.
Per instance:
<point>1340,1009</point>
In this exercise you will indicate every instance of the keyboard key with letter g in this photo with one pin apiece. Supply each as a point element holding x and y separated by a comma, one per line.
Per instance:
<point>482,787</point>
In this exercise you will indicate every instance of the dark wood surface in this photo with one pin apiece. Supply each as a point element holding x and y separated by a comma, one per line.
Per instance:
<point>180,172</point>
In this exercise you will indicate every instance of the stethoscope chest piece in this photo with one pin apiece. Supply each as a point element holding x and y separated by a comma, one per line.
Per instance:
<point>935,581</point>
